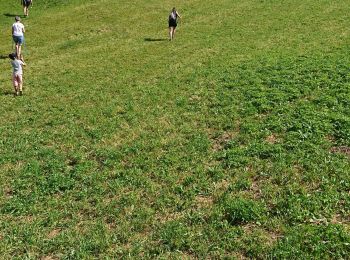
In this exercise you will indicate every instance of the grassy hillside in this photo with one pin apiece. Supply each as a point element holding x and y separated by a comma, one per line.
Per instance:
<point>232,141</point>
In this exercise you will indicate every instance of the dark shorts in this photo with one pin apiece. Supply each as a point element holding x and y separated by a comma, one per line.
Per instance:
<point>172,23</point>
<point>26,3</point>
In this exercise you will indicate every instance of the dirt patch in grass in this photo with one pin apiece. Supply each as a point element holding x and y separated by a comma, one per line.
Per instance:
<point>220,141</point>
<point>273,236</point>
<point>163,218</point>
<point>203,201</point>
<point>222,185</point>
<point>195,98</point>
<point>49,257</point>
<point>338,219</point>
<point>341,149</point>
<point>238,256</point>
<point>255,189</point>
<point>272,139</point>
<point>8,192</point>
<point>53,233</point>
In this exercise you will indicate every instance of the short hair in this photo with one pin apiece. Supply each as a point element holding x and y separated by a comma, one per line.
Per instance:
<point>17,18</point>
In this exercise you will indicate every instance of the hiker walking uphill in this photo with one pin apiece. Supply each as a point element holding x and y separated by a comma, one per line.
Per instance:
<point>26,4</point>
<point>173,16</point>
<point>18,35</point>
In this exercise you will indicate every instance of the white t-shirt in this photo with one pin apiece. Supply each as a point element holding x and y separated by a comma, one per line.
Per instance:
<point>17,67</point>
<point>17,28</point>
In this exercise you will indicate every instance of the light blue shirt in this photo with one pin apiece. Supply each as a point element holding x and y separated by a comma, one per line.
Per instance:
<point>17,67</point>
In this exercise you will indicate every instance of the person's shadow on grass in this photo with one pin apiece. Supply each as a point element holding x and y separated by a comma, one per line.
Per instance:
<point>7,93</point>
<point>3,57</point>
<point>154,39</point>
<point>12,15</point>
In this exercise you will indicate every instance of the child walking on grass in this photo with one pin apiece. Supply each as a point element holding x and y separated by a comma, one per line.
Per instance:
<point>17,75</point>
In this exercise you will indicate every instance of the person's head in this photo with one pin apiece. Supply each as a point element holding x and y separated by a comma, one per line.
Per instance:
<point>12,56</point>
<point>17,18</point>
<point>174,9</point>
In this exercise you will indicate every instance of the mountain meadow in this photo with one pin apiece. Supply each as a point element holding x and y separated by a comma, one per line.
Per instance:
<point>230,142</point>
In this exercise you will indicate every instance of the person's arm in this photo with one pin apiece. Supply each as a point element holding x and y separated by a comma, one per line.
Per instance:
<point>23,30</point>
<point>178,14</point>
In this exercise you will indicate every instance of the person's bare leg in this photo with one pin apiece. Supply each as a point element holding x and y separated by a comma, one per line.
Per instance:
<point>15,86</point>
<point>18,51</point>
<point>20,83</point>
<point>20,87</point>
<point>174,33</point>
<point>170,29</point>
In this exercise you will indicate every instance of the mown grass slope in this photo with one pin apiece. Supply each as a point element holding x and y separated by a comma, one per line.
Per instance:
<point>232,141</point>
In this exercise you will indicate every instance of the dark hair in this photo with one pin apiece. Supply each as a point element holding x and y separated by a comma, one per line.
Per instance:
<point>17,18</point>
<point>174,9</point>
<point>12,56</point>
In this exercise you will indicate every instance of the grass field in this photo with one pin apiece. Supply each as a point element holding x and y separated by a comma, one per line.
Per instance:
<point>230,142</point>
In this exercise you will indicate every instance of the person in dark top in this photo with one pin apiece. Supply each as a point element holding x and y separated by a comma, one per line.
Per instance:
<point>26,4</point>
<point>173,16</point>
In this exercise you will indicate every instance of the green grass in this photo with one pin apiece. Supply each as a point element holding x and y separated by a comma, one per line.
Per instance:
<point>229,142</point>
